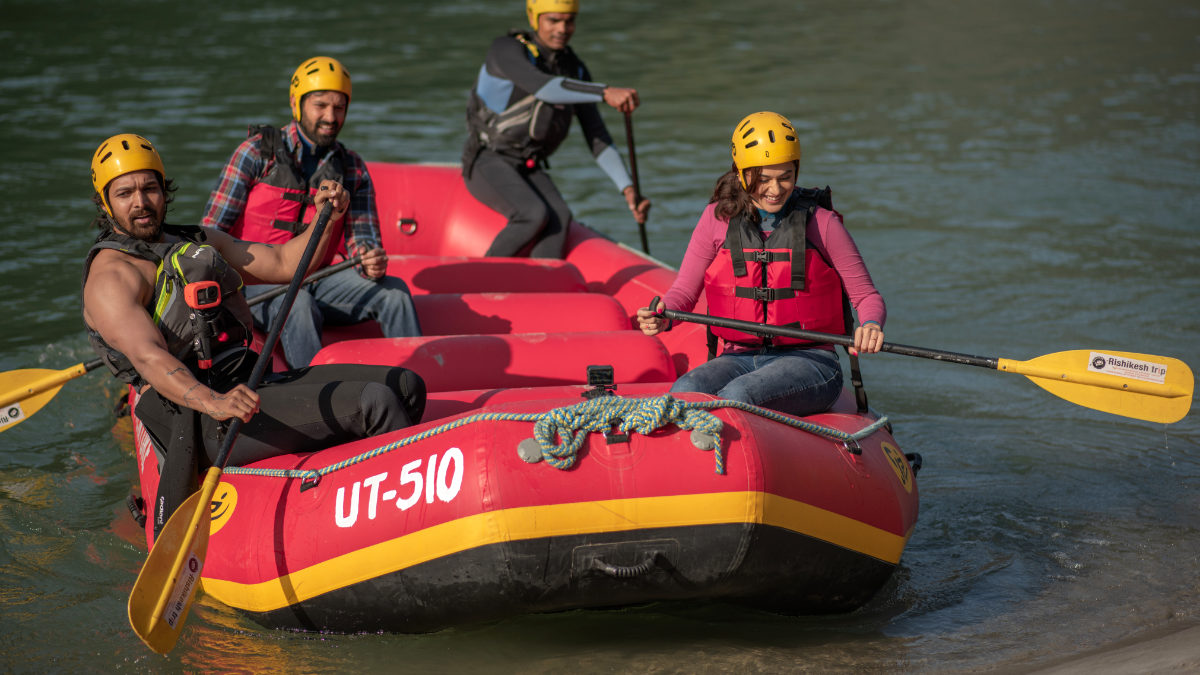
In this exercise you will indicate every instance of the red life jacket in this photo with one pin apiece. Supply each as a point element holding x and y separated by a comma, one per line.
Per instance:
<point>278,206</point>
<point>782,281</point>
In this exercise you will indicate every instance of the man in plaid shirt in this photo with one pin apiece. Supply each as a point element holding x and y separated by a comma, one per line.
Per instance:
<point>265,194</point>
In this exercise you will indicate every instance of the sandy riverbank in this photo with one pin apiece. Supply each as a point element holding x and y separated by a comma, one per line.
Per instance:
<point>1172,650</point>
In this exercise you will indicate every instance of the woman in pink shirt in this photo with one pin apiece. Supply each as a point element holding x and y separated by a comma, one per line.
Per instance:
<point>767,251</point>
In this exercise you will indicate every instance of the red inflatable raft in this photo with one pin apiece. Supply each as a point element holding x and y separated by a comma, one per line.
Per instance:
<point>526,488</point>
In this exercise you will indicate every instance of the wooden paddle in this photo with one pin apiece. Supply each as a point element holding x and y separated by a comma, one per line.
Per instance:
<point>637,190</point>
<point>1141,386</point>
<point>166,586</point>
<point>24,392</point>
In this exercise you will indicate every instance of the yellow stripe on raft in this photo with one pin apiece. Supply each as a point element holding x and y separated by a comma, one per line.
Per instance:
<point>533,522</point>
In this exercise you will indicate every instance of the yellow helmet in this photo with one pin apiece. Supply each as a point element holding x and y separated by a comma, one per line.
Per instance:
<point>319,73</point>
<point>762,139</point>
<point>119,155</point>
<point>535,8</point>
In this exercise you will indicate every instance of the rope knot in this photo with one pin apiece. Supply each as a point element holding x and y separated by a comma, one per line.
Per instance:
<point>645,416</point>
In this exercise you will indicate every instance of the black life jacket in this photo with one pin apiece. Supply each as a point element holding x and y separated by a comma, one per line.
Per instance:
<point>529,128</point>
<point>179,263</point>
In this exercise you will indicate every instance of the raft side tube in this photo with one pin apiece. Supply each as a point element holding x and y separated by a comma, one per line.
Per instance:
<point>469,485</point>
<point>411,221</point>
<point>633,278</point>
<point>458,274</point>
<point>499,313</point>
<point>450,363</point>
<point>442,404</point>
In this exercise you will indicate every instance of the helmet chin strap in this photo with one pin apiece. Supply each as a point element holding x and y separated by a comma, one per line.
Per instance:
<point>116,227</point>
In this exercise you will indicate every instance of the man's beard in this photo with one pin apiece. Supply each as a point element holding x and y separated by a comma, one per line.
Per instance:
<point>150,232</point>
<point>320,140</point>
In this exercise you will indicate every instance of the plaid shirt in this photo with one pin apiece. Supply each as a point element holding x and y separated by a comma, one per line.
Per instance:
<point>247,166</point>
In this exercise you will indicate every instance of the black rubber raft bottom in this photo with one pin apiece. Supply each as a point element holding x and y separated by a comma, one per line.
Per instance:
<point>753,565</point>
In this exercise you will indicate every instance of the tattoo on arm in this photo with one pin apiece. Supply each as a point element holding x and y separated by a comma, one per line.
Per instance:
<point>214,396</point>
<point>187,395</point>
<point>198,402</point>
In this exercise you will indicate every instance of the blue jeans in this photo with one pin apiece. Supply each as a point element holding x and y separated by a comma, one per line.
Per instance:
<point>792,381</point>
<point>341,298</point>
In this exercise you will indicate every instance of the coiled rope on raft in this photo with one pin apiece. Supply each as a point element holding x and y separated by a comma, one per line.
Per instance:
<point>561,432</point>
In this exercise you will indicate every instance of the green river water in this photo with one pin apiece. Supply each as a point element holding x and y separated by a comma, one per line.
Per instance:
<point>1022,177</point>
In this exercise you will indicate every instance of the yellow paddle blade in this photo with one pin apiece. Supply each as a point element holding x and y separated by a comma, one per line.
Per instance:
<point>1141,386</point>
<point>166,586</point>
<point>24,392</point>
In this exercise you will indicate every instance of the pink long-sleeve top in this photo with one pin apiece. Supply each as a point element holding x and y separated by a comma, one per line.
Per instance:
<point>826,232</point>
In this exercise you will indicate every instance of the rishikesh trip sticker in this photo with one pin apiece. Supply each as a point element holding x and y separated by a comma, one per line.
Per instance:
<point>1122,366</point>
<point>181,595</point>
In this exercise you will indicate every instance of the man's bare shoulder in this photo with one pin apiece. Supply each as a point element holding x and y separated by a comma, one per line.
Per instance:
<point>112,268</point>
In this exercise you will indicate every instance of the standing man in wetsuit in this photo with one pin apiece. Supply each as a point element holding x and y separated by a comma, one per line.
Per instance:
<point>188,355</point>
<point>519,112</point>
<point>265,194</point>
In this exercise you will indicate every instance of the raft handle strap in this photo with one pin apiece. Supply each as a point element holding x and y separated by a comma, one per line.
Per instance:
<point>137,509</point>
<point>914,458</point>
<point>627,571</point>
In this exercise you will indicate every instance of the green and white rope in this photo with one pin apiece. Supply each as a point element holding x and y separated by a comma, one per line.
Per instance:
<point>621,415</point>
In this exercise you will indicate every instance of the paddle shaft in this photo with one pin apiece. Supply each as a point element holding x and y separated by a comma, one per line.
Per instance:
<point>633,173</point>
<point>315,276</point>
<point>845,340</point>
<point>264,357</point>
